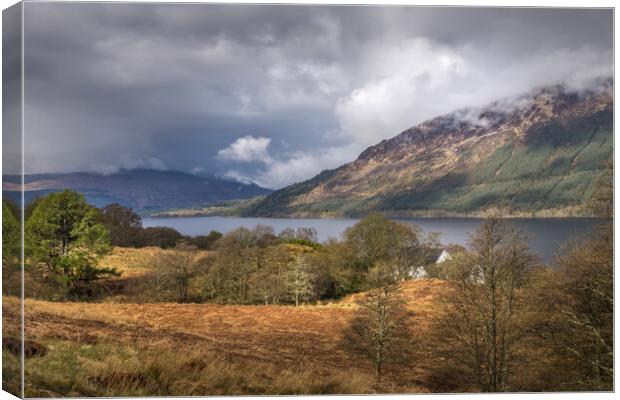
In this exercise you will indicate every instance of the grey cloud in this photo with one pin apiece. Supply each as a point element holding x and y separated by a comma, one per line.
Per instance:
<point>11,90</point>
<point>171,85</point>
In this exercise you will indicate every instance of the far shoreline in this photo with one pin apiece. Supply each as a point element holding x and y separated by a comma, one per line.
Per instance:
<point>480,216</point>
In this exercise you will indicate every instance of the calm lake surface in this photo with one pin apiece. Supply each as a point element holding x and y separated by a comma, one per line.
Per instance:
<point>546,234</point>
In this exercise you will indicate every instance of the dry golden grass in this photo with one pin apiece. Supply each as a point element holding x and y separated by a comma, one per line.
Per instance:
<point>286,338</point>
<point>78,369</point>
<point>135,262</point>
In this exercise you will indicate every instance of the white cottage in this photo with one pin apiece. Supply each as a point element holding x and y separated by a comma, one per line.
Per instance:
<point>444,256</point>
<point>420,272</point>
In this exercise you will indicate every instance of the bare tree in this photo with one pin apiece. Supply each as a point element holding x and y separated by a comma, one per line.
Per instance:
<point>309,234</point>
<point>287,234</point>
<point>300,280</point>
<point>268,283</point>
<point>484,304</point>
<point>379,331</point>
<point>587,304</point>
<point>237,258</point>
<point>172,272</point>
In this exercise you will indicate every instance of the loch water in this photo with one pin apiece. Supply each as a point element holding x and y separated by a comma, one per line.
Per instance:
<point>546,235</point>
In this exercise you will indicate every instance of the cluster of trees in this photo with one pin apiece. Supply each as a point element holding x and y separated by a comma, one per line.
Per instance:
<point>479,327</point>
<point>126,230</point>
<point>254,266</point>
<point>65,238</point>
<point>505,322</point>
<point>250,266</point>
<point>11,248</point>
<point>511,324</point>
<point>258,266</point>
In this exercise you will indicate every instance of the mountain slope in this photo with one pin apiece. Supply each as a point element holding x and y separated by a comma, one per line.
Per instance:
<point>539,154</point>
<point>143,190</point>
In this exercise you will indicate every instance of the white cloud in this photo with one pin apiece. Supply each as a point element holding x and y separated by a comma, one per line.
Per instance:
<point>404,84</point>
<point>127,162</point>
<point>246,149</point>
<point>401,85</point>
<point>416,80</point>
<point>237,176</point>
<point>301,166</point>
<point>197,170</point>
<point>276,173</point>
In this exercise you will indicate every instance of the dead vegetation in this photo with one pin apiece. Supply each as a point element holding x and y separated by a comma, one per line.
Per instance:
<point>248,349</point>
<point>77,369</point>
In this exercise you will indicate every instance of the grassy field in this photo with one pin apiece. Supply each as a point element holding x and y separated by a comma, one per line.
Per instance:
<point>112,348</point>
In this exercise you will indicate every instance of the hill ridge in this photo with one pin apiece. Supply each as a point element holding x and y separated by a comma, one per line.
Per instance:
<point>144,190</point>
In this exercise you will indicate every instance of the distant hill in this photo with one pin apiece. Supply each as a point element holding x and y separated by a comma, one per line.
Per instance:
<point>144,190</point>
<point>538,154</point>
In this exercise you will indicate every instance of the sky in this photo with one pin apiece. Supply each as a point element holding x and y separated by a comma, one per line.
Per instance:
<point>276,94</point>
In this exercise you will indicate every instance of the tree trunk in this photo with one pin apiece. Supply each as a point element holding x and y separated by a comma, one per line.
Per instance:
<point>378,371</point>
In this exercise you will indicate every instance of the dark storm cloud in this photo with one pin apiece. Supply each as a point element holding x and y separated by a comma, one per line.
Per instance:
<point>11,90</point>
<point>179,86</point>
